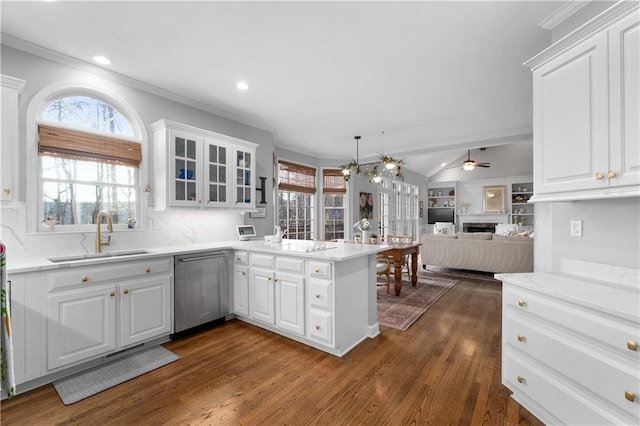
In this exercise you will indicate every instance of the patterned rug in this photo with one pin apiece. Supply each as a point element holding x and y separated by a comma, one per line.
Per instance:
<point>458,273</point>
<point>400,312</point>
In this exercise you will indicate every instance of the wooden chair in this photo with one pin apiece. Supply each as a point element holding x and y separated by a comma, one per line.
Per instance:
<point>400,239</point>
<point>383,267</point>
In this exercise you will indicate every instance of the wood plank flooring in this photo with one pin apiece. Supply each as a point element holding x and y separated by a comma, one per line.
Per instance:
<point>444,370</point>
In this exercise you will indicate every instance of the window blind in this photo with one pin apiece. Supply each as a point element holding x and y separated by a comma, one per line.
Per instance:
<point>75,145</point>
<point>333,182</point>
<point>296,177</point>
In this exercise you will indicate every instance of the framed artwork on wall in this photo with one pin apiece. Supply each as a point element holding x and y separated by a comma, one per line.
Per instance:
<point>366,205</point>
<point>494,199</point>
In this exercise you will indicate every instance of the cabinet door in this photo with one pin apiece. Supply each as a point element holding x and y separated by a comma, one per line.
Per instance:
<point>290,302</point>
<point>241,290</point>
<point>11,88</point>
<point>217,173</point>
<point>185,168</point>
<point>261,295</point>
<point>245,189</point>
<point>624,59</point>
<point>81,325</point>
<point>145,310</point>
<point>570,121</point>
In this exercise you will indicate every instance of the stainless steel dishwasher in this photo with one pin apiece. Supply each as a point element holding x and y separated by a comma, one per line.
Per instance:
<point>201,288</point>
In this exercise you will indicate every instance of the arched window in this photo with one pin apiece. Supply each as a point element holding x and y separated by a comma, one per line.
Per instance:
<point>89,161</point>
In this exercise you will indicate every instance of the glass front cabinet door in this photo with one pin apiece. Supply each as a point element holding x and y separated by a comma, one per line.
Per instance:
<point>199,168</point>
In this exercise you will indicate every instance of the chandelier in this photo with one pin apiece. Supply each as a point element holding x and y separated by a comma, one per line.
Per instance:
<point>374,171</point>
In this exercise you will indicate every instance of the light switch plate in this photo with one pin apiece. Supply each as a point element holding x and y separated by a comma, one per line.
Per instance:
<point>576,228</point>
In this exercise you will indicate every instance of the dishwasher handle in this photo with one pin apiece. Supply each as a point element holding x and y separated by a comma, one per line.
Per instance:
<point>196,258</point>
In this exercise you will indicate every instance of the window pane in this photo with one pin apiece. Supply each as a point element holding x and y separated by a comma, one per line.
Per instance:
<point>88,113</point>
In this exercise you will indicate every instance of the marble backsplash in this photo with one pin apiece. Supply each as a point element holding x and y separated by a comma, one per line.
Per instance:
<point>163,228</point>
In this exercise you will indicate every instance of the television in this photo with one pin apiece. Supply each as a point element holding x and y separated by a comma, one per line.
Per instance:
<point>440,215</point>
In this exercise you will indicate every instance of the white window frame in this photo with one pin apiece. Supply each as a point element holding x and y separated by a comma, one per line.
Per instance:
<point>39,102</point>
<point>314,197</point>
<point>322,223</point>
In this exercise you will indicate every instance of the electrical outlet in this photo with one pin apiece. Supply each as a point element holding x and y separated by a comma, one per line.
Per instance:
<point>576,228</point>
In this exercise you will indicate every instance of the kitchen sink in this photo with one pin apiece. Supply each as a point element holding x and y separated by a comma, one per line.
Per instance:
<point>90,256</point>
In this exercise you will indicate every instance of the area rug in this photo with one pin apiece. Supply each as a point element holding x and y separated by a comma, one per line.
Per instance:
<point>85,384</point>
<point>400,312</point>
<point>459,273</point>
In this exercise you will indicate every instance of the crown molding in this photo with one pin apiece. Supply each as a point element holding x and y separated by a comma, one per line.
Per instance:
<point>12,82</point>
<point>61,58</point>
<point>562,14</point>
<point>595,25</point>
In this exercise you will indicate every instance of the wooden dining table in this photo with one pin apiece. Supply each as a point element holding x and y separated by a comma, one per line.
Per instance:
<point>397,251</point>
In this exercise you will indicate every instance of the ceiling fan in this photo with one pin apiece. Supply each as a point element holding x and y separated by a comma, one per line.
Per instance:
<point>469,164</point>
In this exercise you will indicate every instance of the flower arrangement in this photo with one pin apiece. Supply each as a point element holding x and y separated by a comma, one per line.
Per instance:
<point>362,225</point>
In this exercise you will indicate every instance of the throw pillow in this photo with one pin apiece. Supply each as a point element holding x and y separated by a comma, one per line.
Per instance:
<point>506,229</point>
<point>440,228</point>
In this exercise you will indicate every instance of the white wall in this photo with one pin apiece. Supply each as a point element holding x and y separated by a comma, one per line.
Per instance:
<point>175,226</point>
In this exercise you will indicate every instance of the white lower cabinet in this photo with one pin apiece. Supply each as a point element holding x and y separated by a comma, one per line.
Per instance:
<point>262,295</point>
<point>96,310</point>
<point>570,349</point>
<point>320,310</point>
<point>290,302</point>
<point>276,291</point>
<point>81,325</point>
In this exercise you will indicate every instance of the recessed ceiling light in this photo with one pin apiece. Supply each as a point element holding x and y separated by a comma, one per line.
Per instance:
<point>443,164</point>
<point>102,60</point>
<point>242,85</point>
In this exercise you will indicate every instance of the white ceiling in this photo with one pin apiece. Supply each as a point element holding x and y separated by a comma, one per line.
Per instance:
<point>433,76</point>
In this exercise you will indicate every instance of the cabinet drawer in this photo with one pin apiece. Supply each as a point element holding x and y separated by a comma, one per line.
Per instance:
<point>548,393</point>
<point>320,294</point>
<point>584,364</point>
<point>262,260</point>
<point>320,325</point>
<point>320,269</point>
<point>290,264</point>
<point>241,258</point>
<point>613,332</point>
<point>73,276</point>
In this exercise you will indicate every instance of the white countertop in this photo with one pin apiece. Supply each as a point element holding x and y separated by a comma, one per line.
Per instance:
<point>309,249</point>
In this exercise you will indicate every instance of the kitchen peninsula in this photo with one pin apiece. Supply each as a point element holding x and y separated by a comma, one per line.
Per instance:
<point>319,294</point>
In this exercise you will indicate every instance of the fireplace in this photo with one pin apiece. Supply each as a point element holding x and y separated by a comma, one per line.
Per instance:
<point>479,227</point>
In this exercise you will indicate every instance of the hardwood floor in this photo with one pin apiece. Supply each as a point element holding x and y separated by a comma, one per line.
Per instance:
<point>444,370</point>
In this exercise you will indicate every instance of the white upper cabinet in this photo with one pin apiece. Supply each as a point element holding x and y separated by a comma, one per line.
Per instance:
<point>199,168</point>
<point>586,116</point>
<point>11,88</point>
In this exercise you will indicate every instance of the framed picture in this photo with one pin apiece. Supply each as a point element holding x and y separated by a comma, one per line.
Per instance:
<point>494,199</point>
<point>366,205</point>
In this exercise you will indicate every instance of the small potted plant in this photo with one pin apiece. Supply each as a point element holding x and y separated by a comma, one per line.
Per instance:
<point>373,238</point>
<point>131,223</point>
<point>357,238</point>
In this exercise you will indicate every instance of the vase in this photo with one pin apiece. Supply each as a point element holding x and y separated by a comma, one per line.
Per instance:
<point>365,237</point>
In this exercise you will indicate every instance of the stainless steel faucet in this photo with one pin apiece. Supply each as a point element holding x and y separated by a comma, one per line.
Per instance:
<point>99,242</point>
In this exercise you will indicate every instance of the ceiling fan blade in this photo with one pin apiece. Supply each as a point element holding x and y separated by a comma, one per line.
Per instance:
<point>483,164</point>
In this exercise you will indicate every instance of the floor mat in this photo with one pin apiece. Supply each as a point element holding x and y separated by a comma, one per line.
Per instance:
<point>87,383</point>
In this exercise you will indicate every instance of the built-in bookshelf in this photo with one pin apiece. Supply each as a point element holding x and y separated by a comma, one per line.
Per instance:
<point>522,212</point>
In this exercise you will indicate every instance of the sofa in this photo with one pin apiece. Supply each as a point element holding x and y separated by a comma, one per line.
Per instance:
<point>478,251</point>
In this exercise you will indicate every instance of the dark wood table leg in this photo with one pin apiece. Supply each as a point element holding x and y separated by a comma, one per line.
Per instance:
<point>397,274</point>
<point>414,268</point>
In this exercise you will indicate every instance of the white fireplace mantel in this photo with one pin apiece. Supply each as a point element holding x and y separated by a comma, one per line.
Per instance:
<point>481,218</point>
